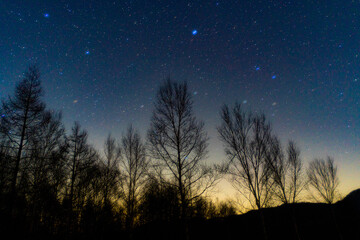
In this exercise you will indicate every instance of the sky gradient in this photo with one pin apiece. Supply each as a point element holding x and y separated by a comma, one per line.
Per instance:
<point>102,62</point>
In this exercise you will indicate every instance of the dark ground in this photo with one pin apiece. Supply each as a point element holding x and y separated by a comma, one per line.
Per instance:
<point>299,221</point>
<point>296,221</point>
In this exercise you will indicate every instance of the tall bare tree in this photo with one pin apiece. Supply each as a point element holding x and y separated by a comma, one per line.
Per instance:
<point>5,166</point>
<point>178,143</point>
<point>47,153</point>
<point>21,117</point>
<point>286,171</point>
<point>248,143</point>
<point>46,169</point>
<point>111,171</point>
<point>322,177</point>
<point>296,172</point>
<point>81,160</point>
<point>134,165</point>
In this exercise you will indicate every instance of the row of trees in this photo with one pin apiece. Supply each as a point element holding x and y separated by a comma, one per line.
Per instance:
<point>263,171</point>
<point>59,182</point>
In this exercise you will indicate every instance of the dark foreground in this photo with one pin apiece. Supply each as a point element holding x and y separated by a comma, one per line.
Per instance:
<point>297,221</point>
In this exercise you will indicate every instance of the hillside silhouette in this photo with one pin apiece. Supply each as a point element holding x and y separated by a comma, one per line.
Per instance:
<point>289,221</point>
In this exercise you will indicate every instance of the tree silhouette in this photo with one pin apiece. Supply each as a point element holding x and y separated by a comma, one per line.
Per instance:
<point>134,166</point>
<point>178,143</point>
<point>46,172</point>
<point>248,143</point>
<point>5,166</point>
<point>20,119</point>
<point>286,172</point>
<point>81,160</point>
<point>322,177</point>
<point>111,172</point>
<point>159,202</point>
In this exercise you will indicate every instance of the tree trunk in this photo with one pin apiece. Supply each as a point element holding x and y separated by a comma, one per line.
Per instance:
<point>263,224</point>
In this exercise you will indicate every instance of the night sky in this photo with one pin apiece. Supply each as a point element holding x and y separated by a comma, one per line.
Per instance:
<point>102,63</point>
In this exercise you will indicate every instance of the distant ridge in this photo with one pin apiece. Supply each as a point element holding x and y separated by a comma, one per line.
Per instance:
<point>354,196</point>
<point>299,221</point>
<point>352,200</point>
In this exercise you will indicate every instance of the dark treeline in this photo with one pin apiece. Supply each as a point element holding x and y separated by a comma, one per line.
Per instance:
<point>55,184</point>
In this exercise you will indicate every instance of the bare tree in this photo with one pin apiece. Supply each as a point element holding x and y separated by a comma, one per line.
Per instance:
<point>248,143</point>
<point>178,143</point>
<point>5,166</point>
<point>47,152</point>
<point>46,169</point>
<point>134,165</point>
<point>81,159</point>
<point>21,117</point>
<point>296,173</point>
<point>286,172</point>
<point>111,172</point>
<point>322,177</point>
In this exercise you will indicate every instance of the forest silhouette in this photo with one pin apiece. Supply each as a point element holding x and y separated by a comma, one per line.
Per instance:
<point>56,185</point>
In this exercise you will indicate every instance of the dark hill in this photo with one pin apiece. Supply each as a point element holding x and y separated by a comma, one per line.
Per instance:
<point>295,221</point>
<point>352,201</point>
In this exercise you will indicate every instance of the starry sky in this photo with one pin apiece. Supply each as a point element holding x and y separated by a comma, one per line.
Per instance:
<point>102,63</point>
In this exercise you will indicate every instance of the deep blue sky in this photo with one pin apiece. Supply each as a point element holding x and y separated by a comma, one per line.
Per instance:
<point>102,62</point>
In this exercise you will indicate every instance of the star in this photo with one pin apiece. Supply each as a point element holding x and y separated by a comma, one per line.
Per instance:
<point>46,15</point>
<point>194,32</point>
<point>87,52</point>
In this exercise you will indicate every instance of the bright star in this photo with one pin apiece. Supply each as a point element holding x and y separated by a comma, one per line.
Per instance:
<point>194,32</point>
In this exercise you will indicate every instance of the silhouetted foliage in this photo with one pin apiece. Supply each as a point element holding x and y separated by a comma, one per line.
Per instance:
<point>207,209</point>
<point>159,202</point>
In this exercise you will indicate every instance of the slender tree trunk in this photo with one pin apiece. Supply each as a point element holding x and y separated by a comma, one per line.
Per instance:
<point>335,222</point>
<point>297,235</point>
<point>17,164</point>
<point>263,224</point>
<point>72,181</point>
